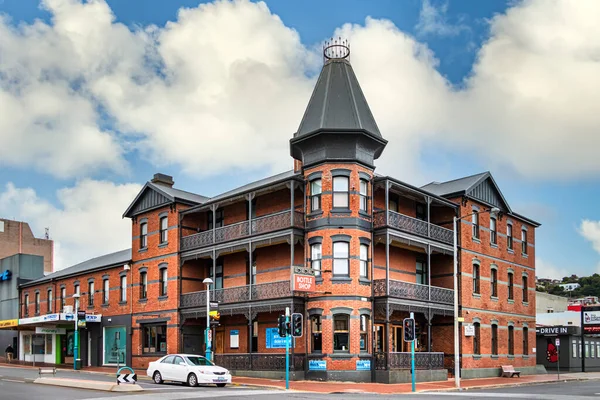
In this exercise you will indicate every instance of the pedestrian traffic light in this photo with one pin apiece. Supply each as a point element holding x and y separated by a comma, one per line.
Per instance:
<point>297,325</point>
<point>409,329</point>
<point>281,324</point>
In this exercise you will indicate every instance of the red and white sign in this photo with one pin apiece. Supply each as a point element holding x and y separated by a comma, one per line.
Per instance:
<point>304,283</point>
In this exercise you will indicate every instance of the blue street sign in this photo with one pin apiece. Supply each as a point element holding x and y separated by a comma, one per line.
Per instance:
<point>317,365</point>
<point>363,365</point>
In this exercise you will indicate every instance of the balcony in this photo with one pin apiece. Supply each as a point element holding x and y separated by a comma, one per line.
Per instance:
<point>260,225</point>
<point>414,291</point>
<point>415,226</point>
<point>238,294</point>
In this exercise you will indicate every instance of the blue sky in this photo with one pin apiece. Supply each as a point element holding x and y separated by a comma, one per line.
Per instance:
<point>454,50</point>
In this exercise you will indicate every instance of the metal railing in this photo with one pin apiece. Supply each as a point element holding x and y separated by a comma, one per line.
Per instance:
<point>402,360</point>
<point>238,294</point>
<point>264,224</point>
<point>259,361</point>
<point>414,291</point>
<point>413,225</point>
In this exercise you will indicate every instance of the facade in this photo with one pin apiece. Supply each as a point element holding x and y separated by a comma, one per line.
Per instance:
<point>376,248</point>
<point>16,237</point>
<point>549,303</point>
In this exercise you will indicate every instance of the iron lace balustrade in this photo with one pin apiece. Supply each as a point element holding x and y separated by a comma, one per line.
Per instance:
<point>259,361</point>
<point>422,360</point>
<point>415,226</point>
<point>238,294</point>
<point>239,230</point>
<point>414,291</point>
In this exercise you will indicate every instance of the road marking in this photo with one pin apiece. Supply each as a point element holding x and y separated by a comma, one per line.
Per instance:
<point>192,394</point>
<point>509,395</point>
<point>13,380</point>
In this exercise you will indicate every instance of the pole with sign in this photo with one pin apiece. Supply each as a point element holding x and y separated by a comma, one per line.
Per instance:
<point>557,343</point>
<point>287,349</point>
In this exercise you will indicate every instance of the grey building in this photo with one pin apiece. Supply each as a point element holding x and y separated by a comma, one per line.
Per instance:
<point>549,303</point>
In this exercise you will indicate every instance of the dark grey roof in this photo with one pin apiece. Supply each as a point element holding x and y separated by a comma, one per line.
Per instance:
<point>337,102</point>
<point>268,181</point>
<point>162,195</point>
<point>107,260</point>
<point>456,186</point>
<point>179,194</point>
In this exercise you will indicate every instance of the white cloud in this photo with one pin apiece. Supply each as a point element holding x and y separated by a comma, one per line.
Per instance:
<point>225,85</point>
<point>86,223</point>
<point>590,230</point>
<point>547,270</point>
<point>433,20</point>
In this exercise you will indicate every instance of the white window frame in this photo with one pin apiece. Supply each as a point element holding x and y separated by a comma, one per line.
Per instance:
<point>341,189</point>
<point>316,255</point>
<point>364,261</point>
<point>341,247</point>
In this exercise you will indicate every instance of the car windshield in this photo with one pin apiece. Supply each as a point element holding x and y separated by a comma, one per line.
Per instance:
<point>197,360</point>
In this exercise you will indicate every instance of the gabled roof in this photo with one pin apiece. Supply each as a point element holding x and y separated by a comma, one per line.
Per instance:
<point>337,102</point>
<point>155,195</point>
<point>102,262</point>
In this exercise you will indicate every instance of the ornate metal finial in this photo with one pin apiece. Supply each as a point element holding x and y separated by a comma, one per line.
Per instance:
<point>336,49</point>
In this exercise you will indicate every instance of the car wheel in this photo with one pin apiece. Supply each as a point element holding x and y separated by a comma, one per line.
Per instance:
<point>221,384</point>
<point>192,380</point>
<point>157,377</point>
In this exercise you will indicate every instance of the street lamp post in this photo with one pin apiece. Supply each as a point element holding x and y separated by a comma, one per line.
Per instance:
<point>76,344</point>
<point>492,211</point>
<point>208,282</point>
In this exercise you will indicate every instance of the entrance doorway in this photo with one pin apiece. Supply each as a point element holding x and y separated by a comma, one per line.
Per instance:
<point>220,342</point>
<point>379,338</point>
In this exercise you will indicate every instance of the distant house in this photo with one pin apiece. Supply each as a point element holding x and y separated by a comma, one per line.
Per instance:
<point>569,287</point>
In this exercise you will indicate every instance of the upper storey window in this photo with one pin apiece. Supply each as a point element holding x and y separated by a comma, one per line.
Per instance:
<point>218,217</point>
<point>509,237</point>
<point>164,225</point>
<point>315,195</point>
<point>475,223</point>
<point>421,212</point>
<point>341,264</point>
<point>340,192</point>
<point>144,235</point>
<point>493,232</point>
<point>524,241</point>
<point>363,194</point>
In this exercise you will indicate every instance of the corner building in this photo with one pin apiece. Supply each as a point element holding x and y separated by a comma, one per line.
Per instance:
<point>378,248</point>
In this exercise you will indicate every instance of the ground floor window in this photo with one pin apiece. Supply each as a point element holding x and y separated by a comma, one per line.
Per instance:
<point>317,341</point>
<point>255,336</point>
<point>115,345</point>
<point>341,332</point>
<point>154,338</point>
<point>364,332</point>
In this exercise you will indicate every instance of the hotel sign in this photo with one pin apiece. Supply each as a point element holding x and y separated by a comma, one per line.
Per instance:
<point>591,317</point>
<point>9,323</point>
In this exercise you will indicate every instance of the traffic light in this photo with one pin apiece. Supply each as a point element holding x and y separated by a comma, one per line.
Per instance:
<point>409,329</point>
<point>297,325</point>
<point>282,326</point>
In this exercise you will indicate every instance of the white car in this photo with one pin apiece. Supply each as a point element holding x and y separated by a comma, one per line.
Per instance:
<point>188,368</point>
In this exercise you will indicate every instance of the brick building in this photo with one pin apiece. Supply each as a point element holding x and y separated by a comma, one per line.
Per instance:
<point>16,237</point>
<point>378,249</point>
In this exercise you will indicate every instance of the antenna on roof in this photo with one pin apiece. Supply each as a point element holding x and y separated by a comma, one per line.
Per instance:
<point>47,234</point>
<point>336,49</point>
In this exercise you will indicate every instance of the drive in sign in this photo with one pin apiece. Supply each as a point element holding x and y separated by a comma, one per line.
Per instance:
<point>304,283</point>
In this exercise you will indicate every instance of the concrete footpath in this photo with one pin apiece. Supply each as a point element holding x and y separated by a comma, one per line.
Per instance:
<point>353,387</point>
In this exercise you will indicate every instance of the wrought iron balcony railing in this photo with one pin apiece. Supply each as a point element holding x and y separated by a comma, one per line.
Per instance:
<point>403,360</point>
<point>413,225</point>
<point>238,294</point>
<point>414,291</point>
<point>264,224</point>
<point>259,361</point>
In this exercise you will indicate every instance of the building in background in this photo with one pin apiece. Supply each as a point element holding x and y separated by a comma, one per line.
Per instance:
<point>549,303</point>
<point>569,287</point>
<point>16,237</point>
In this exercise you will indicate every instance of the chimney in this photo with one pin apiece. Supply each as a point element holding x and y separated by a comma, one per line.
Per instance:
<point>163,179</point>
<point>297,166</point>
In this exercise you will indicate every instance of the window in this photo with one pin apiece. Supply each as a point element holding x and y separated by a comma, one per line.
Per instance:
<point>219,216</point>
<point>509,237</point>
<point>493,233</point>
<point>475,223</point>
<point>525,341</point>
<point>476,278</point>
<point>37,302</point>
<point>477,338</point>
<point>105,291</point>
<point>91,294</point>
<point>511,340</point>
<point>154,338</point>
<point>143,235</point>
<point>592,349</point>
<point>510,286</point>
<point>315,258</point>
<point>364,332</point>
<point>317,342</point>
<point>494,339</point>
<point>49,301</point>
<point>218,280</point>
<point>163,282</point>
<point>164,226</point>
<point>421,271</point>
<point>63,298</point>
<point>341,332</point>
<point>26,305</point>
<point>123,289</point>
<point>494,283</point>
<point>315,195</point>
<point>525,290</point>
<point>340,191</point>
<point>393,203</point>
<point>363,194</point>
<point>255,336</point>
<point>76,291</point>
<point>364,261</point>
<point>143,285</point>
<point>421,212</point>
<point>524,241</point>
<point>340,258</point>
<point>574,349</point>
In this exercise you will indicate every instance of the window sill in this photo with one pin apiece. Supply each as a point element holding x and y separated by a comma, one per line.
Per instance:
<point>493,298</point>
<point>319,280</point>
<point>143,250</point>
<point>526,303</point>
<point>477,357</point>
<point>364,281</point>
<point>341,354</point>
<point>163,298</point>
<point>163,245</point>
<point>494,245</point>
<point>154,354</point>
<point>510,251</point>
<point>104,304</point>
<point>341,211</point>
<point>143,300</point>
<point>510,357</point>
<point>477,295</point>
<point>511,301</point>
<point>476,240</point>
<point>495,356</point>
<point>316,213</point>
<point>341,279</point>
<point>524,255</point>
<point>90,307</point>
<point>318,353</point>
<point>122,303</point>
<point>525,356</point>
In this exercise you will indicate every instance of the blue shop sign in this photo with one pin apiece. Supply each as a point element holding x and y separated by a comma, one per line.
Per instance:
<point>363,365</point>
<point>317,365</point>
<point>274,341</point>
<point>6,276</point>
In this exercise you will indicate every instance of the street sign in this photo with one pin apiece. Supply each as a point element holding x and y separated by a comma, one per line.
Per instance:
<point>214,305</point>
<point>127,378</point>
<point>210,335</point>
<point>557,342</point>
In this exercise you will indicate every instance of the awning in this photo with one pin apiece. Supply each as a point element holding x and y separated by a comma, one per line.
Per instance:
<point>54,318</point>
